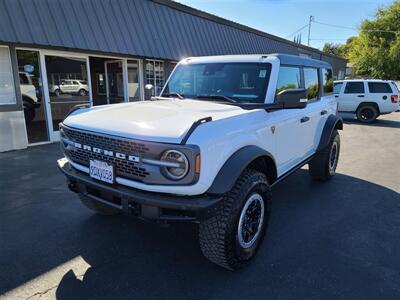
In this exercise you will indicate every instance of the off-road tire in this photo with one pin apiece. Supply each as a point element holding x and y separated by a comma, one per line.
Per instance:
<point>218,235</point>
<point>321,168</point>
<point>98,207</point>
<point>367,113</point>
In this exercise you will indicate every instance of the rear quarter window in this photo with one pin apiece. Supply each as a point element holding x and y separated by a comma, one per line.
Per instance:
<point>311,83</point>
<point>327,81</point>
<point>379,87</point>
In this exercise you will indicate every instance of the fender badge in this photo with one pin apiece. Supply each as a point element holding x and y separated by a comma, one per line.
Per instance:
<point>273,129</point>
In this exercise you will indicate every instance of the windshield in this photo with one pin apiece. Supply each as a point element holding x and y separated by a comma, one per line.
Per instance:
<point>224,82</point>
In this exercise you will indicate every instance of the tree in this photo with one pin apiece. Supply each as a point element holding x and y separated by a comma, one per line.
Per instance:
<point>341,50</point>
<point>376,51</point>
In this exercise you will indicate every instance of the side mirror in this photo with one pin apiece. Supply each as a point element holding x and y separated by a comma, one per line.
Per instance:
<point>293,98</point>
<point>149,86</point>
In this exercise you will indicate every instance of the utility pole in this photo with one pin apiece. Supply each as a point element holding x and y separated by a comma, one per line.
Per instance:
<point>309,29</point>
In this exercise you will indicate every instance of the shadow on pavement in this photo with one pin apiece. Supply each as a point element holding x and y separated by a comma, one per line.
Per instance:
<point>377,123</point>
<point>336,239</point>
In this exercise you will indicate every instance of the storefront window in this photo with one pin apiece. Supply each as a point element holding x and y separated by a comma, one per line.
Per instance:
<point>133,80</point>
<point>68,86</point>
<point>155,76</point>
<point>30,82</point>
<point>7,90</point>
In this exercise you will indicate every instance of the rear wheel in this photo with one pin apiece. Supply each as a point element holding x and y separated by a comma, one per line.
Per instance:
<point>323,166</point>
<point>233,235</point>
<point>82,92</point>
<point>367,113</point>
<point>98,207</point>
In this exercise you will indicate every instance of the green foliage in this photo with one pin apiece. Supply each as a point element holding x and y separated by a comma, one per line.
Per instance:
<point>335,49</point>
<point>376,51</point>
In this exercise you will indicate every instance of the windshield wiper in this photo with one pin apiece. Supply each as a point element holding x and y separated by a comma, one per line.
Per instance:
<point>174,94</point>
<point>222,97</point>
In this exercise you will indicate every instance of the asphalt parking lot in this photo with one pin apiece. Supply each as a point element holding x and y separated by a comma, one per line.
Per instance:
<point>332,240</point>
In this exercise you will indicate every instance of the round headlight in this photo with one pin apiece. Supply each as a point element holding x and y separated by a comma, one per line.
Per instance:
<point>178,164</point>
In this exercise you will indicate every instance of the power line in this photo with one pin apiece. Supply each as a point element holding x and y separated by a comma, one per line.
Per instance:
<point>355,29</point>
<point>298,30</point>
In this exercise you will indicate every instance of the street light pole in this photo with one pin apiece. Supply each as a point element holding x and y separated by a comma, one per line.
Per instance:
<point>309,29</point>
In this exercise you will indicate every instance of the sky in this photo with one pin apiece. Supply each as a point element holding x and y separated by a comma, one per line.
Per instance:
<point>284,17</point>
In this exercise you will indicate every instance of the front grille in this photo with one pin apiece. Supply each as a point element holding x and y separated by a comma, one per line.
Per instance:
<point>122,167</point>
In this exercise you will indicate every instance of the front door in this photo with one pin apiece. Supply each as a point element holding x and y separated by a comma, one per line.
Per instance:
<point>114,81</point>
<point>62,74</point>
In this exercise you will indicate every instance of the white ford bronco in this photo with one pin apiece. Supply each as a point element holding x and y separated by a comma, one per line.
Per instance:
<point>367,98</point>
<point>209,148</point>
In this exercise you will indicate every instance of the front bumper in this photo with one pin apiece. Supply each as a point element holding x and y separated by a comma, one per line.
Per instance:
<point>143,204</point>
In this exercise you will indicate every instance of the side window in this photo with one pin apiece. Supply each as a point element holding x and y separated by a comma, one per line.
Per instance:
<point>379,87</point>
<point>337,87</point>
<point>327,81</point>
<point>288,78</point>
<point>311,83</point>
<point>354,88</point>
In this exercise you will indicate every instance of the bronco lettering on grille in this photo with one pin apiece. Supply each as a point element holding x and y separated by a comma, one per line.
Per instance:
<point>109,153</point>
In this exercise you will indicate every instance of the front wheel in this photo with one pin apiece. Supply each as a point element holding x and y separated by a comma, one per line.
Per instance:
<point>232,236</point>
<point>323,166</point>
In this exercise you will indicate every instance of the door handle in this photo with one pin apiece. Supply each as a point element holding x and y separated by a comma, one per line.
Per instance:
<point>304,119</point>
<point>336,96</point>
<point>324,112</point>
<point>360,96</point>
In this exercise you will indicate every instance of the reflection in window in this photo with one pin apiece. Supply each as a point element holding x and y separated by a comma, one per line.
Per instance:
<point>327,80</point>
<point>7,91</point>
<point>288,78</point>
<point>32,97</point>
<point>311,82</point>
<point>67,81</point>
<point>155,76</point>
<point>133,80</point>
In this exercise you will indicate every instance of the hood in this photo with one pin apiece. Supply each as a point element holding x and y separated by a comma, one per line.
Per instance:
<point>158,121</point>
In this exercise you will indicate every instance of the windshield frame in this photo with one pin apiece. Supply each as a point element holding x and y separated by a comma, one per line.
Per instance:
<point>263,95</point>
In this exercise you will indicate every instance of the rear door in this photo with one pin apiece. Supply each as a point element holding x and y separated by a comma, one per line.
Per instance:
<point>353,94</point>
<point>381,93</point>
<point>310,122</point>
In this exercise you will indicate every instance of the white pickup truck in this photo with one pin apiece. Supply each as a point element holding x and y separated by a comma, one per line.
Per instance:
<point>209,148</point>
<point>367,98</point>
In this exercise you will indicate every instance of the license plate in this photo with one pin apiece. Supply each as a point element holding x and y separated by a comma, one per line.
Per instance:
<point>101,170</point>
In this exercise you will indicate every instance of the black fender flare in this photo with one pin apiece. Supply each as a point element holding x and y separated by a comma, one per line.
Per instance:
<point>333,122</point>
<point>234,167</point>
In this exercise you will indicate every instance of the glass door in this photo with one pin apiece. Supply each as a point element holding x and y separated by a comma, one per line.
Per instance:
<point>134,82</point>
<point>67,86</point>
<point>30,82</point>
<point>114,81</point>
